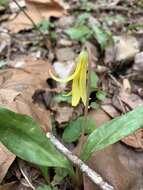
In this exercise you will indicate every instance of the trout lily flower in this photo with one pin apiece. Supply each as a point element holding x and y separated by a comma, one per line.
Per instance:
<point>79,82</point>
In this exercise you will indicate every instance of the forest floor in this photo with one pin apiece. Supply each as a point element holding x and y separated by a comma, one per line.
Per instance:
<point>39,35</point>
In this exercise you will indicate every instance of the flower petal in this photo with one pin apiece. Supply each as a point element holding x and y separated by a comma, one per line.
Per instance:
<point>75,91</point>
<point>71,77</point>
<point>68,94</point>
<point>82,79</point>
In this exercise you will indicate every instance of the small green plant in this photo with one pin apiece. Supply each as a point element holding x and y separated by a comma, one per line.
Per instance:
<point>46,187</point>
<point>3,2</point>
<point>83,31</point>
<point>22,135</point>
<point>45,26</point>
<point>74,129</point>
<point>80,33</point>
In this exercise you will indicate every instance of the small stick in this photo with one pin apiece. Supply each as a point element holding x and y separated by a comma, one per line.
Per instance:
<point>26,178</point>
<point>31,20</point>
<point>104,8</point>
<point>87,90</point>
<point>96,178</point>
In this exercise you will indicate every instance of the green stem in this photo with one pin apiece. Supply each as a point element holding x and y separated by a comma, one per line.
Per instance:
<point>84,125</point>
<point>88,91</point>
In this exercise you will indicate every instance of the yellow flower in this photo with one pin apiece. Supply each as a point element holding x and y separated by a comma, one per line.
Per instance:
<point>79,86</point>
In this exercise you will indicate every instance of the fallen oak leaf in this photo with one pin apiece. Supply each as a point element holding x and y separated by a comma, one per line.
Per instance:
<point>6,159</point>
<point>28,64</point>
<point>8,186</point>
<point>37,11</point>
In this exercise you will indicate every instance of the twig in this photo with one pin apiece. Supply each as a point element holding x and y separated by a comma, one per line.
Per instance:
<point>103,8</point>
<point>96,178</point>
<point>115,2</point>
<point>31,20</point>
<point>26,178</point>
<point>87,89</point>
<point>115,80</point>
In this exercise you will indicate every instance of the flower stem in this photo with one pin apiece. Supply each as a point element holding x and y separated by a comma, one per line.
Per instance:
<point>84,124</point>
<point>87,90</point>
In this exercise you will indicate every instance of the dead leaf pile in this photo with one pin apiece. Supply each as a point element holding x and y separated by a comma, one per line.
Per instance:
<point>38,10</point>
<point>18,84</point>
<point>6,159</point>
<point>116,163</point>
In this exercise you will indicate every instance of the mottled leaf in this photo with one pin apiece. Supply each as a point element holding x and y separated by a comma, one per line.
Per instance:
<point>78,33</point>
<point>22,136</point>
<point>94,80</point>
<point>73,131</point>
<point>101,95</point>
<point>113,131</point>
<point>46,187</point>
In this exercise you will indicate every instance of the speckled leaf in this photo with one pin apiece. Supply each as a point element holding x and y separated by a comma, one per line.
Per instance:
<point>73,131</point>
<point>78,33</point>
<point>113,131</point>
<point>46,187</point>
<point>22,136</point>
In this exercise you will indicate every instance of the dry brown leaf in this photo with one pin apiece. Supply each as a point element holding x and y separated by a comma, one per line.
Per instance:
<point>8,186</point>
<point>16,94</point>
<point>7,96</point>
<point>132,100</point>
<point>38,11</point>
<point>6,159</point>
<point>110,110</point>
<point>135,140</point>
<point>64,113</point>
<point>28,64</point>
<point>125,48</point>
<point>100,117</point>
<point>138,65</point>
<point>42,116</point>
<point>41,1</point>
<point>107,163</point>
<point>17,88</point>
<point>19,80</point>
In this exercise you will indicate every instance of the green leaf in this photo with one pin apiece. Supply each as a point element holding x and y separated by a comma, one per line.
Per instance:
<point>2,63</point>
<point>45,172</point>
<point>113,131</point>
<point>94,80</point>
<point>62,98</point>
<point>22,136</point>
<point>91,126</point>
<point>59,176</point>
<point>46,187</point>
<point>79,33</point>
<point>3,2</point>
<point>101,36</point>
<point>45,26</point>
<point>135,26</point>
<point>101,95</point>
<point>73,131</point>
<point>82,19</point>
<point>94,105</point>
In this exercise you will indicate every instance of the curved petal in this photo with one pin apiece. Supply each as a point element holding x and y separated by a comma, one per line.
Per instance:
<point>82,79</point>
<point>68,94</point>
<point>71,77</point>
<point>75,91</point>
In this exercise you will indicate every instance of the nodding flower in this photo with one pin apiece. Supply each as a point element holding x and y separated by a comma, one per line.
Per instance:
<point>79,79</point>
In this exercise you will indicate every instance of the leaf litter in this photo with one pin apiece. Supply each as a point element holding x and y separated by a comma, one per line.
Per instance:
<point>26,87</point>
<point>38,11</point>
